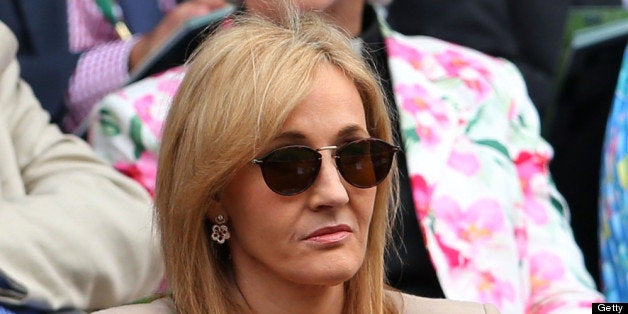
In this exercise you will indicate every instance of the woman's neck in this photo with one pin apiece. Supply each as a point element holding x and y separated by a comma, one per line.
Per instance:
<point>264,292</point>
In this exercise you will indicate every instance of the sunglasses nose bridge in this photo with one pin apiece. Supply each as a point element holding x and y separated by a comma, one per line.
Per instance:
<point>326,148</point>
<point>332,148</point>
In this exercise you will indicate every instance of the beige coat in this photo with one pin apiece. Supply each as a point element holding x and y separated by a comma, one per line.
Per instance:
<point>407,304</point>
<point>73,231</point>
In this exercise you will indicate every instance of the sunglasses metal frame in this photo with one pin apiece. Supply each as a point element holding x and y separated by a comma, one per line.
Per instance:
<point>260,161</point>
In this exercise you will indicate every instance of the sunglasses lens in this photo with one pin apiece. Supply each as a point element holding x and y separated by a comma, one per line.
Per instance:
<point>291,170</point>
<point>365,163</point>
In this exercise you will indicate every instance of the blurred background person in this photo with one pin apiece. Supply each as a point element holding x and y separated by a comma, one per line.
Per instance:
<point>75,233</point>
<point>614,196</point>
<point>531,34</point>
<point>72,52</point>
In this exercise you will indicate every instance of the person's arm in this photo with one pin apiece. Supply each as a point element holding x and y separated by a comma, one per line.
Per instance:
<point>99,71</point>
<point>559,281</point>
<point>103,63</point>
<point>74,232</point>
<point>106,60</point>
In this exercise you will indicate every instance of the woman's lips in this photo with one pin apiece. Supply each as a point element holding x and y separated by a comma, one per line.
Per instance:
<point>328,235</point>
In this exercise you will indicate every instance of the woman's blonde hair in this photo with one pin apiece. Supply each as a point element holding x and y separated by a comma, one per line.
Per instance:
<point>241,85</point>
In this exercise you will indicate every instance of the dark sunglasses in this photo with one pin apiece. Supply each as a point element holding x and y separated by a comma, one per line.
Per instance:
<point>293,169</point>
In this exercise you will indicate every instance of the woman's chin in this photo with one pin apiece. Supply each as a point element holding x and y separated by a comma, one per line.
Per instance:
<point>328,274</point>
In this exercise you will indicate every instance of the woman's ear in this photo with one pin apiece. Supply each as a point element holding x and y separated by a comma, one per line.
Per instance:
<point>216,209</point>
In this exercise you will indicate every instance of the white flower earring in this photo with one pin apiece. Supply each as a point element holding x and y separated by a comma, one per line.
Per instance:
<point>220,231</point>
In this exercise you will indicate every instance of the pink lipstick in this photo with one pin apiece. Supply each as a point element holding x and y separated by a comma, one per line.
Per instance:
<point>329,235</point>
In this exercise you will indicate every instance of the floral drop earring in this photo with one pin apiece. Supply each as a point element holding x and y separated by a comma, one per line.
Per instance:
<point>220,231</point>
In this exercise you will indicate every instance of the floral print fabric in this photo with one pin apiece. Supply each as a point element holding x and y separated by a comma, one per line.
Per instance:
<point>614,195</point>
<point>125,127</point>
<point>494,223</point>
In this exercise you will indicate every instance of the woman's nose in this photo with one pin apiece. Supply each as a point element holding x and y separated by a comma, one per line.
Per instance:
<point>328,190</point>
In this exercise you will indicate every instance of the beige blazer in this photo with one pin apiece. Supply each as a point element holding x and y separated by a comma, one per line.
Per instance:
<point>74,233</point>
<point>407,304</point>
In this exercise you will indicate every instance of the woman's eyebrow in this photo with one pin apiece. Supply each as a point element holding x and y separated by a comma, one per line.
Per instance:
<point>347,131</point>
<point>353,129</point>
<point>289,136</point>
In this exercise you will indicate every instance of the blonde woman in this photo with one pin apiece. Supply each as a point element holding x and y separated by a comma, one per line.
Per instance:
<point>482,219</point>
<point>273,192</point>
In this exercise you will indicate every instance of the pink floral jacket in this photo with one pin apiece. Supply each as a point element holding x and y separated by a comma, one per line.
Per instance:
<point>495,226</point>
